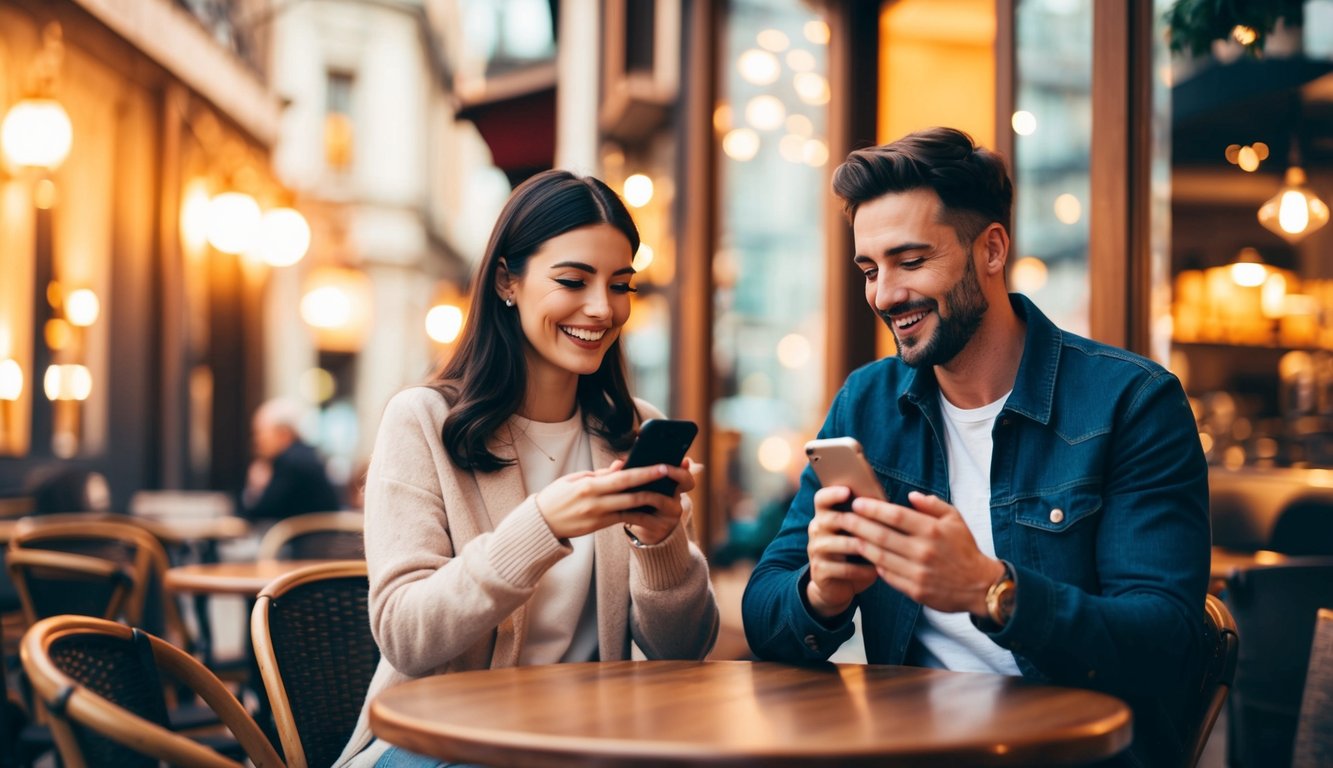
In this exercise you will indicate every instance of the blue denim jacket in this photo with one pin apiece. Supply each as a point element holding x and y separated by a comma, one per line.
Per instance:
<point>1110,592</point>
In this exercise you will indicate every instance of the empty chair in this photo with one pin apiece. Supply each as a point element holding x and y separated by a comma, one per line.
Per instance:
<point>1305,527</point>
<point>99,684</point>
<point>315,536</point>
<point>1314,732</point>
<point>311,632</point>
<point>52,583</point>
<point>1274,607</point>
<point>1221,643</point>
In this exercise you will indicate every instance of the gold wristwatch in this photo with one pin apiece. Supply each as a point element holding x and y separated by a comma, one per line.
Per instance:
<point>1000,596</point>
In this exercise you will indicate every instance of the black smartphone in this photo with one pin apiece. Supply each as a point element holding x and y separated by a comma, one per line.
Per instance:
<point>661,441</point>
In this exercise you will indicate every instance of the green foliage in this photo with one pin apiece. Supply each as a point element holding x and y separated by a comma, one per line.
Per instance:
<point>1195,24</point>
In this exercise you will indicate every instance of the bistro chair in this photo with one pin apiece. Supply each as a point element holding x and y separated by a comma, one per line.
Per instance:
<point>1274,607</point>
<point>52,583</point>
<point>1314,729</point>
<point>315,536</point>
<point>1221,646</point>
<point>99,684</point>
<point>311,632</point>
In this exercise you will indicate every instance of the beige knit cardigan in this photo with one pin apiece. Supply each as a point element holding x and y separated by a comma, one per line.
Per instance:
<point>454,555</point>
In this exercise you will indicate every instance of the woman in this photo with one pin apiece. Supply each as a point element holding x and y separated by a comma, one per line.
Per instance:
<point>500,529</point>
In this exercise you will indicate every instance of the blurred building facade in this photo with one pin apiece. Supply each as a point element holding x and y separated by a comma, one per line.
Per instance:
<point>397,128</point>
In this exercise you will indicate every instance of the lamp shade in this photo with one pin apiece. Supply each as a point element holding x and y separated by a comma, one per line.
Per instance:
<point>1294,211</point>
<point>37,133</point>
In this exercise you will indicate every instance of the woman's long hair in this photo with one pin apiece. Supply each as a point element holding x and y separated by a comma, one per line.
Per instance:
<point>486,379</point>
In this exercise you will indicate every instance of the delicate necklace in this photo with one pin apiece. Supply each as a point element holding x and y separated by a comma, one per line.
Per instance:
<point>534,443</point>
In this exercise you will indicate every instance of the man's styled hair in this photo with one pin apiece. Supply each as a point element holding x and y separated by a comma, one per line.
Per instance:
<point>971,181</point>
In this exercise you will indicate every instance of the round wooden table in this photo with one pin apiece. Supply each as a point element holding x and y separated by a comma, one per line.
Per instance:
<point>678,713</point>
<point>242,578</point>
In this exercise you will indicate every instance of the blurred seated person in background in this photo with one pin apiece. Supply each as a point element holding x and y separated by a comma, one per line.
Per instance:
<point>500,529</point>
<point>1047,510</point>
<point>286,477</point>
<point>56,490</point>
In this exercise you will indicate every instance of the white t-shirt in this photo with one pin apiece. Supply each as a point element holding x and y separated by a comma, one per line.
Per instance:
<point>562,618</point>
<point>949,640</point>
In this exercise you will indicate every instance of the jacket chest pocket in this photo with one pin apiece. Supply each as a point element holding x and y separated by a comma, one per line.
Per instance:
<point>1056,532</point>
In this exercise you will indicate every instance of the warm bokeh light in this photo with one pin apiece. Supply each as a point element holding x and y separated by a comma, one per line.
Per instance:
<point>1029,274</point>
<point>283,239</point>
<point>57,333</point>
<point>793,351</point>
<point>643,258</point>
<point>800,125</point>
<point>816,32</point>
<point>1068,209</point>
<point>1024,122</point>
<point>814,153</point>
<point>792,148</point>
<point>801,60</point>
<point>765,112</point>
<point>1273,295</point>
<point>327,306</point>
<point>444,322</point>
<point>44,194</point>
<point>37,133</point>
<point>774,40</point>
<point>1248,274</point>
<point>774,453</point>
<point>1247,159</point>
<point>11,380</point>
<point>759,67</point>
<point>741,144</point>
<point>194,216</point>
<point>316,385</point>
<point>1244,35</point>
<point>82,307</point>
<point>638,190</point>
<point>722,118</point>
<point>811,87</point>
<point>233,222</point>
<point>67,382</point>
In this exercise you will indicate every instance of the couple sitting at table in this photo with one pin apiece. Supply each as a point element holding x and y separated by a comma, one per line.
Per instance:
<point>501,530</point>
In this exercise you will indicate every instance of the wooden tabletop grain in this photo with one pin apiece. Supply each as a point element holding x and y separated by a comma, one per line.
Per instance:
<point>677,713</point>
<point>241,578</point>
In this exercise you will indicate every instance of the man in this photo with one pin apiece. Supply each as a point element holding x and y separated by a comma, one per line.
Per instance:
<point>286,476</point>
<point>1048,495</point>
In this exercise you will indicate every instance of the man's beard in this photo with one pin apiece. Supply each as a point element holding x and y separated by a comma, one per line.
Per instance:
<point>966,305</point>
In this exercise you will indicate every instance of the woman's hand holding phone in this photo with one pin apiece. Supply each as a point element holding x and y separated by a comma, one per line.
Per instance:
<point>583,502</point>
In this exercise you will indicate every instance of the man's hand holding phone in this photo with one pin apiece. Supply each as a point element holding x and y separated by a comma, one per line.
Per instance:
<point>834,580</point>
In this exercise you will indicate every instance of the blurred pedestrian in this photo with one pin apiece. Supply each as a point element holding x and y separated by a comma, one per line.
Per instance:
<point>500,529</point>
<point>286,476</point>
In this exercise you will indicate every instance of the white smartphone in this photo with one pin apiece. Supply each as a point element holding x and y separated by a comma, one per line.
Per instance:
<point>840,461</point>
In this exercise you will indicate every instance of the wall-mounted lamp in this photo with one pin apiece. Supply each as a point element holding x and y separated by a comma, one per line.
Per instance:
<point>37,134</point>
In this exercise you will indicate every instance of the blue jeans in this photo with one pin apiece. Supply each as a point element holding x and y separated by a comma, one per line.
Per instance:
<point>397,757</point>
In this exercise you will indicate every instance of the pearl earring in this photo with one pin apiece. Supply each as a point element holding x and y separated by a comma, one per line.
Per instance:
<point>509,301</point>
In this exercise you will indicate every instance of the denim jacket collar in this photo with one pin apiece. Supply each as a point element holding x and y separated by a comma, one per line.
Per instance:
<point>1034,386</point>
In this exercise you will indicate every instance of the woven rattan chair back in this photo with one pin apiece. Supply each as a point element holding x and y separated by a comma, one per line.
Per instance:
<point>54,583</point>
<point>100,684</point>
<point>125,543</point>
<point>1314,730</point>
<point>311,632</point>
<point>315,536</point>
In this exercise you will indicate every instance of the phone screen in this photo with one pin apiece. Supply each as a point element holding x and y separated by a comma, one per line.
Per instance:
<point>661,441</point>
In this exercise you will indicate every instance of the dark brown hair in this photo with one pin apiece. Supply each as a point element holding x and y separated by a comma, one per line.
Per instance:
<point>486,379</point>
<point>971,181</point>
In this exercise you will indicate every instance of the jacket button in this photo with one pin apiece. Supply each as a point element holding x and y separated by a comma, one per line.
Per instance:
<point>811,642</point>
<point>1057,515</point>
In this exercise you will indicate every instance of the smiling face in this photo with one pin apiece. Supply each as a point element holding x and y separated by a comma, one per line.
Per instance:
<point>572,300</point>
<point>918,277</point>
